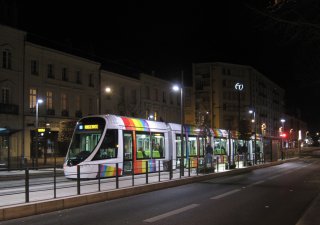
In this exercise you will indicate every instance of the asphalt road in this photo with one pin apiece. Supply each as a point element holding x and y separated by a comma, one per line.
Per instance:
<point>273,195</point>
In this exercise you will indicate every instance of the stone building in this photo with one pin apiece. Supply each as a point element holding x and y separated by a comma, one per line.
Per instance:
<point>216,94</point>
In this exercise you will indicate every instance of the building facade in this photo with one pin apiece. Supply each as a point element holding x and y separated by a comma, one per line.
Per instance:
<point>227,92</point>
<point>120,95</point>
<point>11,85</point>
<point>67,85</point>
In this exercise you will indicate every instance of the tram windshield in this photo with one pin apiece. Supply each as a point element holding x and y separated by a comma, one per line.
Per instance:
<point>86,136</point>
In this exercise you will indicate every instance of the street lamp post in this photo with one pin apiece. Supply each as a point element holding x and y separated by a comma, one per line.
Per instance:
<point>238,87</point>
<point>255,133</point>
<point>39,101</point>
<point>177,88</point>
<point>282,136</point>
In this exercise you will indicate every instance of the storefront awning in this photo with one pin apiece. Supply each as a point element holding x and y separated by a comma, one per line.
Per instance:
<point>4,131</point>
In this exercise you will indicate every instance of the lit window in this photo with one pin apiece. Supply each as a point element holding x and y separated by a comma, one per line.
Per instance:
<point>32,98</point>
<point>49,100</point>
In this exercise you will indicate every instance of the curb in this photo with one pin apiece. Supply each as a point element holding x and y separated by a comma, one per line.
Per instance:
<point>35,208</point>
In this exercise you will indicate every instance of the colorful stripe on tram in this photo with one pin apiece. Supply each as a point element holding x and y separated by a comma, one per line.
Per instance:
<point>140,166</point>
<point>220,133</point>
<point>191,130</point>
<point>109,170</point>
<point>135,124</point>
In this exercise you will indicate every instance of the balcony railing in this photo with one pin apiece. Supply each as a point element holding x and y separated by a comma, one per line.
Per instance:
<point>9,109</point>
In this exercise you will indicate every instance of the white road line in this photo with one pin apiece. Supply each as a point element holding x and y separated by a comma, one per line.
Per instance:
<point>174,212</point>
<point>226,194</point>
<point>256,183</point>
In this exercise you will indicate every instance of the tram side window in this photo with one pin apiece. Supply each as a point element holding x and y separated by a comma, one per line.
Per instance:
<point>202,146</point>
<point>158,145</point>
<point>143,145</point>
<point>220,146</point>
<point>127,140</point>
<point>109,146</point>
<point>192,145</point>
<point>178,145</point>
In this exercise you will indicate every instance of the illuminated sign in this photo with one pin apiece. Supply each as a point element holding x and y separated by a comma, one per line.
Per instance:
<point>238,86</point>
<point>91,126</point>
<point>41,130</point>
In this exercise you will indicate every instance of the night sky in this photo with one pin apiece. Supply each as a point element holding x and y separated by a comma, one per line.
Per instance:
<point>281,42</point>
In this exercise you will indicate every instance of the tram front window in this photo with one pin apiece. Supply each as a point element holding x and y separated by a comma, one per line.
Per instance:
<point>85,138</point>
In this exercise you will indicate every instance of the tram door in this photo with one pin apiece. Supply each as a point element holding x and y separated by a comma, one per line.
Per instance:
<point>127,151</point>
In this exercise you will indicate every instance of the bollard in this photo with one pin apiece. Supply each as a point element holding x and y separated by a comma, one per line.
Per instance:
<point>159,171</point>
<point>54,182</point>
<point>238,161</point>
<point>27,184</point>
<point>170,169</point>
<point>99,181</point>
<point>78,179</point>
<point>117,175</point>
<point>218,158</point>
<point>147,170</point>
<point>189,165</point>
<point>132,172</point>
<point>197,166</point>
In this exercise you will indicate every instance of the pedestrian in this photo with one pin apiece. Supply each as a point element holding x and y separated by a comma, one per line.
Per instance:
<point>209,152</point>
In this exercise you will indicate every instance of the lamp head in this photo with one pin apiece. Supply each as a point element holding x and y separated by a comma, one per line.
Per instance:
<point>176,88</point>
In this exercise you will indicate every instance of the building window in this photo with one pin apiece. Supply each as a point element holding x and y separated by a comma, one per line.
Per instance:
<point>164,99</point>
<point>224,83</point>
<point>50,71</point>
<point>147,93</point>
<point>156,95</point>
<point>34,67</point>
<point>64,102</point>
<point>171,99</point>
<point>178,99</point>
<point>32,98</point>
<point>78,103</point>
<point>6,59</point>
<point>64,74</point>
<point>5,96</point>
<point>78,77</point>
<point>90,106</point>
<point>91,83</point>
<point>133,97</point>
<point>49,100</point>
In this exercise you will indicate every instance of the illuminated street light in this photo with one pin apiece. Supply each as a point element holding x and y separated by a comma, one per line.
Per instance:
<point>253,120</point>
<point>176,88</point>
<point>283,135</point>
<point>108,90</point>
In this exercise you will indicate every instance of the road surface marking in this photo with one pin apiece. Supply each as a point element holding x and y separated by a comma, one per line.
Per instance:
<point>174,212</point>
<point>226,194</point>
<point>255,183</point>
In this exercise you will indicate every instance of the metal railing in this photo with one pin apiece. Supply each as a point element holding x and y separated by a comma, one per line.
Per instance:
<point>36,185</point>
